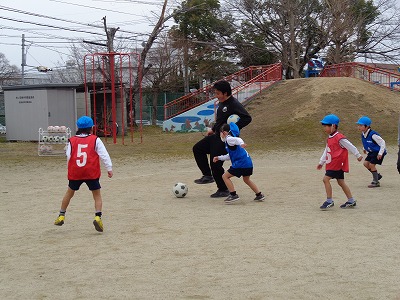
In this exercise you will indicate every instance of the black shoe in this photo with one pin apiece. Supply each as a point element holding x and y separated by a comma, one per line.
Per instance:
<point>231,199</point>
<point>379,176</point>
<point>204,179</point>
<point>220,194</point>
<point>348,204</point>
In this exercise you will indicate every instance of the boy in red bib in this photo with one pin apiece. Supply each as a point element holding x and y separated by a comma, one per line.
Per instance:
<point>336,158</point>
<point>83,153</point>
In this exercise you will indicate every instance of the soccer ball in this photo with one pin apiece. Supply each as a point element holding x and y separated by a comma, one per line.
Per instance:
<point>232,118</point>
<point>50,129</point>
<point>43,148</point>
<point>50,139</point>
<point>63,129</point>
<point>45,138</point>
<point>56,139</point>
<point>56,128</point>
<point>63,139</point>
<point>180,190</point>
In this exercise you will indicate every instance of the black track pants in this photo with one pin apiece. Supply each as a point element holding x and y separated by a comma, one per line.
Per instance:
<point>213,146</point>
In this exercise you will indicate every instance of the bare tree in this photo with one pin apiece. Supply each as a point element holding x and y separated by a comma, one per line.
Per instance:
<point>348,32</point>
<point>296,29</point>
<point>383,43</point>
<point>9,74</point>
<point>165,61</point>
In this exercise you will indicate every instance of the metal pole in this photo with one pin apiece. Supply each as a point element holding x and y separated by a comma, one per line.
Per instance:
<point>23,64</point>
<point>113,99</point>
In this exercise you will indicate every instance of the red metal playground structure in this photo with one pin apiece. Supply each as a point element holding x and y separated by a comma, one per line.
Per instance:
<point>365,72</point>
<point>108,81</point>
<point>195,111</point>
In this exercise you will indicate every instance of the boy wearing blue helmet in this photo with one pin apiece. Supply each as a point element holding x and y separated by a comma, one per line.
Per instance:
<point>336,160</point>
<point>242,164</point>
<point>375,148</point>
<point>83,153</point>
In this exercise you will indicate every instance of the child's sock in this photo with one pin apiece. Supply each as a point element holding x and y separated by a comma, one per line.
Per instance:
<point>375,176</point>
<point>233,193</point>
<point>62,212</point>
<point>351,200</point>
<point>98,214</point>
<point>329,200</point>
<point>258,194</point>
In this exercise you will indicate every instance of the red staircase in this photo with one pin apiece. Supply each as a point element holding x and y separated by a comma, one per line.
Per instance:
<point>259,77</point>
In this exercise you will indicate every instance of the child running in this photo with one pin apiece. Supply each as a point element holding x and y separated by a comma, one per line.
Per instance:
<point>242,164</point>
<point>375,148</point>
<point>83,153</point>
<point>336,158</point>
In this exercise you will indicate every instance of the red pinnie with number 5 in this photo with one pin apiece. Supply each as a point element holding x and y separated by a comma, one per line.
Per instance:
<point>84,152</point>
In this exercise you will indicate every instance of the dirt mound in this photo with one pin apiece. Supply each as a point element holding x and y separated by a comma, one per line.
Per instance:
<point>288,114</point>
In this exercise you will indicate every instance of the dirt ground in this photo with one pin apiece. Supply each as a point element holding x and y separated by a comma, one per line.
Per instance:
<point>156,246</point>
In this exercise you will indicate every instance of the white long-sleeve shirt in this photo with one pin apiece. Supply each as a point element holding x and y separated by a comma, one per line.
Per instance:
<point>100,150</point>
<point>344,143</point>
<point>377,139</point>
<point>231,141</point>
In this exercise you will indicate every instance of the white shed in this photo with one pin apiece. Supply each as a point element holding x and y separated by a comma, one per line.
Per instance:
<point>30,107</point>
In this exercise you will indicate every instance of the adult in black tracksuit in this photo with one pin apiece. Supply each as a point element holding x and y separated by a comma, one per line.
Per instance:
<point>212,143</point>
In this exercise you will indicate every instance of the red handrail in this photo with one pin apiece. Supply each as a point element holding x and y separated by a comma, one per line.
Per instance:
<point>238,80</point>
<point>365,72</point>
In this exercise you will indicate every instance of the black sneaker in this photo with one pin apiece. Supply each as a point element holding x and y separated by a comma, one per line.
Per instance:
<point>379,176</point>
<point>204,179</point>
<point>220,194</point>
<point>348,204</point>
<point>327,205</point>
<point>374,184</point>
<point>259,198</point>
<point>231,199</point>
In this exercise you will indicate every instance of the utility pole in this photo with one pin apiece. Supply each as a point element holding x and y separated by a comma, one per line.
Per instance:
<point>23,64</point>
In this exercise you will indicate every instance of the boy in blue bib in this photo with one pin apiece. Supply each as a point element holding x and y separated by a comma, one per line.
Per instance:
<point>375,148</point>
<point>242,164</point>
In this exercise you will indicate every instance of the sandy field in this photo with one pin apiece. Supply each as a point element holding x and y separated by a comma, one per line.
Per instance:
<point>156,246</point>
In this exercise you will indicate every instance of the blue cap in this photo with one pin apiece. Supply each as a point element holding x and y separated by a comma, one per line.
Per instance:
<point>234,129</point>
<point>84,122</point>
<point>330,120</point>
<point>364,120</point>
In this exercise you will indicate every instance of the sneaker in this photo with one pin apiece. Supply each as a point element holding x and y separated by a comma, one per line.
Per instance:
<point>231,199</point>
<point>204,179</point>
<point>259,198</point>
<point>374,184</point>
<point>327,205</point>
<point>98,224</point>
<point>379,176</point>
<point>220,193</point>
<point>348,204</point>
<point>59,221</point>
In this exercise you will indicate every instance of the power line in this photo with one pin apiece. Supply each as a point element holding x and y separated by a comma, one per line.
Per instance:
<point>57,19</point>
<point>48,25</point>
<point>43,16</point>
<point>92,7</point>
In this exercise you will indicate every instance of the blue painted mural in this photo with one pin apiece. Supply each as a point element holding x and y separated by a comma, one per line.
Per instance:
<point>195,120</point>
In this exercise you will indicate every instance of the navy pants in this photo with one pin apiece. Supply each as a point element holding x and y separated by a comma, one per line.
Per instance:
<point>213,146</point>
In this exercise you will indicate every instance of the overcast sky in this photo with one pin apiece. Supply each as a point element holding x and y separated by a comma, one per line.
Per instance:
<point>48,46</point>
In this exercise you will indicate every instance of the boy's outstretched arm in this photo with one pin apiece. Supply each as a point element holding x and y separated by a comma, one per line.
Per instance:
<point>350,147</point>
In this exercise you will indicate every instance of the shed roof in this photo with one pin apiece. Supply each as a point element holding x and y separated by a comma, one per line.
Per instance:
<point>42,86</point>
